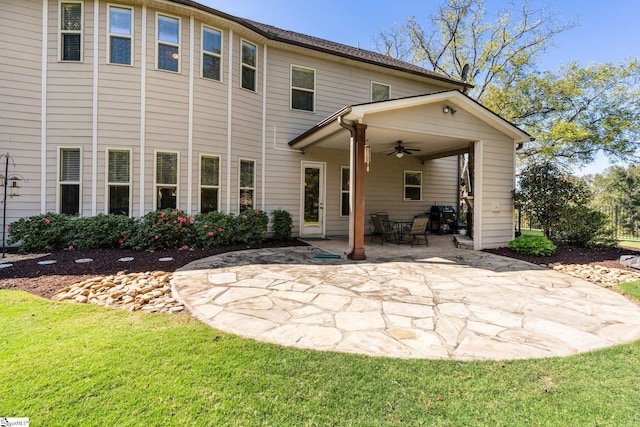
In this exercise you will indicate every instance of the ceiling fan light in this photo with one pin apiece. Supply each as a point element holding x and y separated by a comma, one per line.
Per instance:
<point>399,154</point>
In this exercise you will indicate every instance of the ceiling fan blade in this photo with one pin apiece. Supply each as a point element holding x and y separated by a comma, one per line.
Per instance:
<point>413,149</point>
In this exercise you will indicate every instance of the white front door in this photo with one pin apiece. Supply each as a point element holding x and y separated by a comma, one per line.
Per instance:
<point>313,197</point>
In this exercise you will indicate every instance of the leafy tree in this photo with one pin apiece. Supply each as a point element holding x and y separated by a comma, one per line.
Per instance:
<point>573,113</point>
<point>617,185</point>
<point>460,34</point>
<point>559,202</point>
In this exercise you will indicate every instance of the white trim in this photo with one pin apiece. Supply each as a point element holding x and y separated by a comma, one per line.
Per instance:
<point>263,169</point>
<point>178,45</point>
<point>291,88</point>
<point>94,114</point>
<point>43,107</point>
<point>254,68</point>
<point>143,110</point>
<point>478,149</point>
<point>131,37</point>
<point>405,186</point>
<point>108,183</point>
<point>201,186</point>
<point>60,31</point>
<point>190,119</point>
<point>229,119</point>
<point>155,177</point>
<point>204,52</point>
<point>380,84</point>
<point>255,166</point>
<point>59,182</point>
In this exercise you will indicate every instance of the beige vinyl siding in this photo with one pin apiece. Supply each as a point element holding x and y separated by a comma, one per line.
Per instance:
<point>498,182</point>
<point>20,94</point>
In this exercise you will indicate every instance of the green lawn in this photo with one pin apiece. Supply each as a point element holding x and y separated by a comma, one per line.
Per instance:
<point>630,243</point>
<point>78,365</point>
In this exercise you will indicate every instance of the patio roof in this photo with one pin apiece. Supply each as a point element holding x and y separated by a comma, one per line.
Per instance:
<point>382,136</point>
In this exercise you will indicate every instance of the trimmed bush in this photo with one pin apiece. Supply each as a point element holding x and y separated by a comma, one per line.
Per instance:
<point>251,226</point>
<point>533,245</point>
<point>282,224</point>
<point>165,229</point>
<point>40,233</point>
<point>213,229</point>
<point>101,231</point>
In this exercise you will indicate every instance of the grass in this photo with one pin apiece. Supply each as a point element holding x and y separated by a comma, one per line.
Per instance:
<point>64,364</point>
<point>630,243</point>
<point>630,289</point>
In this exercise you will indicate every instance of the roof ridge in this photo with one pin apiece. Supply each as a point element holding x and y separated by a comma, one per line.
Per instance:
<point>326,46</point>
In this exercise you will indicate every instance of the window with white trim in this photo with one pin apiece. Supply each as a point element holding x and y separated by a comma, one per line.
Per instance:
<point>211,54</point>
<point>344,191</point>
<point>412,185</point>
<point>380,92</point>
<point>69,174</point>
<point>120,35</point>
<point>119,182</point>
<point>249,65</point>
<point>166,180</point>
<point>71,31</point>
<point>209,183</point>
<point>303,88</point>
<point>247,184</point>
<point>168,40</point>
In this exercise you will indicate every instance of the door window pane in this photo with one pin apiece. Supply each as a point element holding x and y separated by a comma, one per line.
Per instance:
<point>311,196</point>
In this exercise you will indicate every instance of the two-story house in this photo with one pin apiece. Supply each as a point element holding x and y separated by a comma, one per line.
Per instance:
<point>127,106</point>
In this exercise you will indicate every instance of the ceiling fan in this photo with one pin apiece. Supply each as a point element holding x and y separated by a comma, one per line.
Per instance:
<point>399,150</point>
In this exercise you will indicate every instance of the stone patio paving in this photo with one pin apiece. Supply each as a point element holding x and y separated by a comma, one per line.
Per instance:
<point>433,302</point>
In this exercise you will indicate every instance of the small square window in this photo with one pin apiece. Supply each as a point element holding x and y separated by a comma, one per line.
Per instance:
<point>412,185</point>
<point>380,92</point>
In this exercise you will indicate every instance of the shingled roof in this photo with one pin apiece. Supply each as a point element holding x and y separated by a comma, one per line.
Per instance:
<point>321,45</point>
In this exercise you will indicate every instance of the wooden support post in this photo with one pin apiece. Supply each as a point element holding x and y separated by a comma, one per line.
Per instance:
<point>357,253</point>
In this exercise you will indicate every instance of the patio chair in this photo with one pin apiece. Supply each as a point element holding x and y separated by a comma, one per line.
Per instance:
<point>419,229</point>
<point>380,229</point>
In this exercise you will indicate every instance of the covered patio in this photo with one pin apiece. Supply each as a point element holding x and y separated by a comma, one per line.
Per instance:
<point>425,128</point>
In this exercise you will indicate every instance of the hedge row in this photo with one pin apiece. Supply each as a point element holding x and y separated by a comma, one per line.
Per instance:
<point>164,229</point>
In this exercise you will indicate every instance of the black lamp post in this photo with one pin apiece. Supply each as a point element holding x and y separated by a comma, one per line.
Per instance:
<point>14,192</point>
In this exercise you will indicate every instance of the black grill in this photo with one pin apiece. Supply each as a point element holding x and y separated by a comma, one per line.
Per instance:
<point>443,219</point>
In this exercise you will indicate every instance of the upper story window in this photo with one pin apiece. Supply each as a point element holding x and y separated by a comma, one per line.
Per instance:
<point>168,34</point>
<point>412,185</point>
<point>249,65</point>
<point>380,92</point>
<point>71,31</point>
<point>303,88</point>
<point>120,35</point>
<point>211,54</point>
<point>69,160</point>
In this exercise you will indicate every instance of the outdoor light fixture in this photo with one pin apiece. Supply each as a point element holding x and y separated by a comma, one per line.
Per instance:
<point>14,191</point>
<point>367,156</point>
<point>448,109</point>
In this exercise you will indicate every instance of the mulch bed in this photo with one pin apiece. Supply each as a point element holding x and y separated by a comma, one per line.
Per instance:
<point>45,280</point>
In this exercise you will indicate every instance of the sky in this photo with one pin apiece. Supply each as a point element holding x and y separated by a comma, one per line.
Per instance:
<point>606,31</point>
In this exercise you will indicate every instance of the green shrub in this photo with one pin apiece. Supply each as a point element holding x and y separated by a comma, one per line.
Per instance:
<point>213,229</point>
<point>164,229</point>
<point>41,233</point>
<point>533,245</point>
<point>251,226</point>
<point>282,224</point>
<point>101,231</point>
<point>584,227</point>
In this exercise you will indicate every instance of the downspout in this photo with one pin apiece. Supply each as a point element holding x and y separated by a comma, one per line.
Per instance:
<point>352,131</point>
